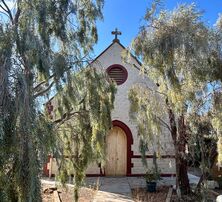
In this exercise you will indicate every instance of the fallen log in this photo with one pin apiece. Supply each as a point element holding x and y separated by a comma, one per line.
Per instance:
<point>169,194</point>
<point>49,190</point>
<point>213,192</point>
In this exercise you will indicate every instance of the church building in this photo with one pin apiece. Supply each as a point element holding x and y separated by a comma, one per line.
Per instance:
<point>123,155</point>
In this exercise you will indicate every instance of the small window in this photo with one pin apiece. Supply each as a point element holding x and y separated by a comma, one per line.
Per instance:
<point>118,73</point>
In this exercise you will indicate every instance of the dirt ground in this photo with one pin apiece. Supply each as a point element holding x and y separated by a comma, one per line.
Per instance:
<point>141,195</point>
<point>66,194</point>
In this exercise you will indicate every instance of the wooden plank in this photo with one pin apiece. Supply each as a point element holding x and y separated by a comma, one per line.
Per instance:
<point>121,144</point>
<point>56,196</point>
<point>110,168</point>
<point>169,194</point>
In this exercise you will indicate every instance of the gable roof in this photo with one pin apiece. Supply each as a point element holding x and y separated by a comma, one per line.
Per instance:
<point>117,41</point>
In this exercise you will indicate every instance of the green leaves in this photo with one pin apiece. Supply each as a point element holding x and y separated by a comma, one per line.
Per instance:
<point>181,53</point>
<point>59,65</point>
<point>147,111</point>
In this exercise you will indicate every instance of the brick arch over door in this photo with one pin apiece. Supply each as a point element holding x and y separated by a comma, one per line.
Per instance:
<point>129,137</point>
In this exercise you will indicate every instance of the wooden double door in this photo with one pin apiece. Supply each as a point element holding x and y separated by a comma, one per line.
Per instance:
<point>116,151</point>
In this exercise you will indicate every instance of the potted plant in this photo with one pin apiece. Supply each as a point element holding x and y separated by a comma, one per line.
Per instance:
<point>151,177</point>
<point>219,180</point>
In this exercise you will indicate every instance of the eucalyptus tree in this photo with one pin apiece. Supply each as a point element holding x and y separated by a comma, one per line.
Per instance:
<point>181,54</point>
<point>41,43</point>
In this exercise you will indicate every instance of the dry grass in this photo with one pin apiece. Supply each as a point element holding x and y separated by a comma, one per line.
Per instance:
<point>141,194</point>
<point>209,197</point>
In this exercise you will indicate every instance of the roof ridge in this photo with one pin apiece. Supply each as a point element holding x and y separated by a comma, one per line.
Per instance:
<point>118,42</point>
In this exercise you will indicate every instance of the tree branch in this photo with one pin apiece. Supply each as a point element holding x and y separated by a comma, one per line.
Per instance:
<point>7,10</point>
<point>51,76</point>
<point>164,123</point>
<point>67,116</point>
<point>17,16</point>
<point>44,91</point>
<point>43,82</point>
<point>156,91</point>
<point>3,9</point>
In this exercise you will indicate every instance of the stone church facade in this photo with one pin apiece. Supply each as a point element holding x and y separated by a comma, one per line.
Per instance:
<point>123,156</point>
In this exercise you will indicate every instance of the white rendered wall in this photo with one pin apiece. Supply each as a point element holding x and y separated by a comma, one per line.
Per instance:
<point>121,110</point>
<point>121,113</point>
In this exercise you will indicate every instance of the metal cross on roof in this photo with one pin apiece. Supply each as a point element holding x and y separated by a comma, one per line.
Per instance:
<point>116,33</point>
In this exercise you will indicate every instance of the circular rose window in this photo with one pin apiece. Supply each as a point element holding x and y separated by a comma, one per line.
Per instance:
<point>117,73</point>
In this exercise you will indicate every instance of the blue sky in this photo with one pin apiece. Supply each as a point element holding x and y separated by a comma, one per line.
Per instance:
<point>127,16</point>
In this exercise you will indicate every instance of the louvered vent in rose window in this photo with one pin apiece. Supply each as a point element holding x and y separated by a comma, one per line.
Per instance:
<point>118,73</point>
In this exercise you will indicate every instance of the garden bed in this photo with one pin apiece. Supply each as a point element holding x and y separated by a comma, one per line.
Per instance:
<point>141,194</point>
<point>211,197</point>
<point>66,194</point>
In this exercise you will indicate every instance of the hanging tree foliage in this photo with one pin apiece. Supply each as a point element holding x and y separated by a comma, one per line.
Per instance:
<point>181,54</point>
<point>41,43</point>
<point>82,120</point>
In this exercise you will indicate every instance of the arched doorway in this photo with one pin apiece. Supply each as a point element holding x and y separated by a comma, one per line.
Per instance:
<point>116,150</point>
<point>128,152</point>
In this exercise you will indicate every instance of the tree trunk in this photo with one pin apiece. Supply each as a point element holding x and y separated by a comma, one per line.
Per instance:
<point>179,136</point>
<point>3,86</point>
<point>182,140</point>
